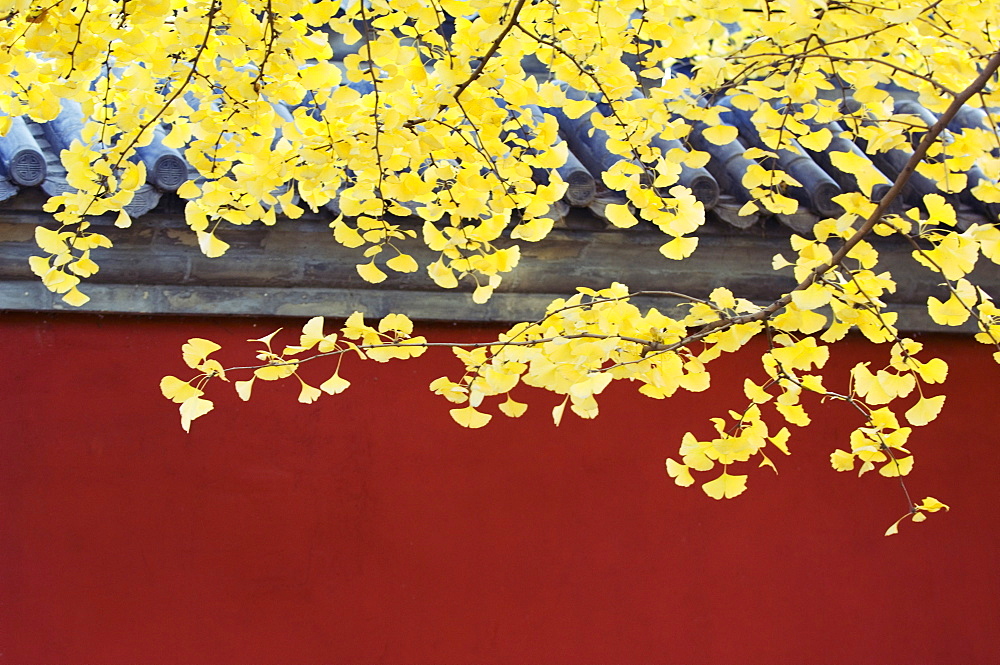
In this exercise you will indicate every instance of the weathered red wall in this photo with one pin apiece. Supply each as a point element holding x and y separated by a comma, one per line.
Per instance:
<point>369,528</point>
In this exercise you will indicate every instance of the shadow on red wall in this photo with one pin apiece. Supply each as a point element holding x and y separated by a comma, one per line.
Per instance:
<point>369,528</point>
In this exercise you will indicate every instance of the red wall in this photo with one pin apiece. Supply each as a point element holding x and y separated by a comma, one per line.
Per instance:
<point>368,528</point>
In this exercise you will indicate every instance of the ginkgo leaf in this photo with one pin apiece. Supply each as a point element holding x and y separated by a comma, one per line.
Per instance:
<point>766,461</point>
<point>755,393</point>
<point>312,333</point>
<point>266,339</point>
<point>192,408</point>
<point>76,298</point>
<point>482,293</point>
<point>557,411</point>
<point>402,263</point>
<point>244,388</point>
<point>794,413</point>
<point>620,215</point>
<point>371,272</point>
<point>512,408</point>
<point>939,210</point>
<point>780,440</point>
<point>720,134</point>
<point>925,410</point>
<point>725,486</point>
<point>861,168</point>
<point>816,141</point>
<point>470,417</point>
<point>931,505</point>
<point>335,385</point>
<point>813,296</point>
<point>842,460</point>
<point>934,370</point>
<point>894,529</point>
<point>275,371</point>
<point>188,190</point>
<point>213,368</point>
<point>210,244</point>
<point>949,313</point>
<point>451,391</point>
<point>894,468</point>
<point>196,350</point>
<point>176,390</point>
<point>123,221</point>
<point>681,473</point>
<point>679,248</point>
<point>308,394</point>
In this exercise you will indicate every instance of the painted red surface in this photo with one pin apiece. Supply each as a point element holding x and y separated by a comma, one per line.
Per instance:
<point>368,528</point>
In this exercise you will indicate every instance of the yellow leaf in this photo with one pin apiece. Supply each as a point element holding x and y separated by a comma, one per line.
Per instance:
<point>123,221</point>
<point>813,296</point>
<point>931,505</point>
<point>557,412</point>
<point>192,408</point>
<point>396,323</point>
<point>76,298</point>
<point>757,153</point>
<point>308,394</point>
<point>275,372</point>
<point>442,275</point>
<point>469,417</point>
<point>312,333</point>
<point>346,235</point>
<point>370,272</point>
<point>720,134</point>
<point>679,248</point>
<point>755,393</point>
<point>513,409</point>
<point>723,297</point>
<point>725,486</point>
<point>188,190</point>
<point>925,410</point>
<point>335,385</point>
<point>939,210</point>
<point>780,440</point>
<point>949,313</point>
<point>894,529</point>
<point>862,169</point>
<point>681,473</point>
<point>894,468</point>
<point>211,368</point>
<point>176,390</point>
<point>482,293</point>
<point>816,141</point>
<point>794,413</point>
<point>620,215</point>
<point>402,263</point>
<point>266,339</point>
<point>934,370</point>
<point>243,388</point>
<point>196,350</point>
<point>210,245</point>
<point>433,238</point>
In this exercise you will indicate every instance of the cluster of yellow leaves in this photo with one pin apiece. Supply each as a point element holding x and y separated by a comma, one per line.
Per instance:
<point>392,338</point>
<point>434,114</point>
<point>585,342</point>
<point>918,513</point>
<point>882,440</point>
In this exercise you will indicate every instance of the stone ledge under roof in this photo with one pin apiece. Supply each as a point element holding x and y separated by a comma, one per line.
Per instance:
<point>295,268</point>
